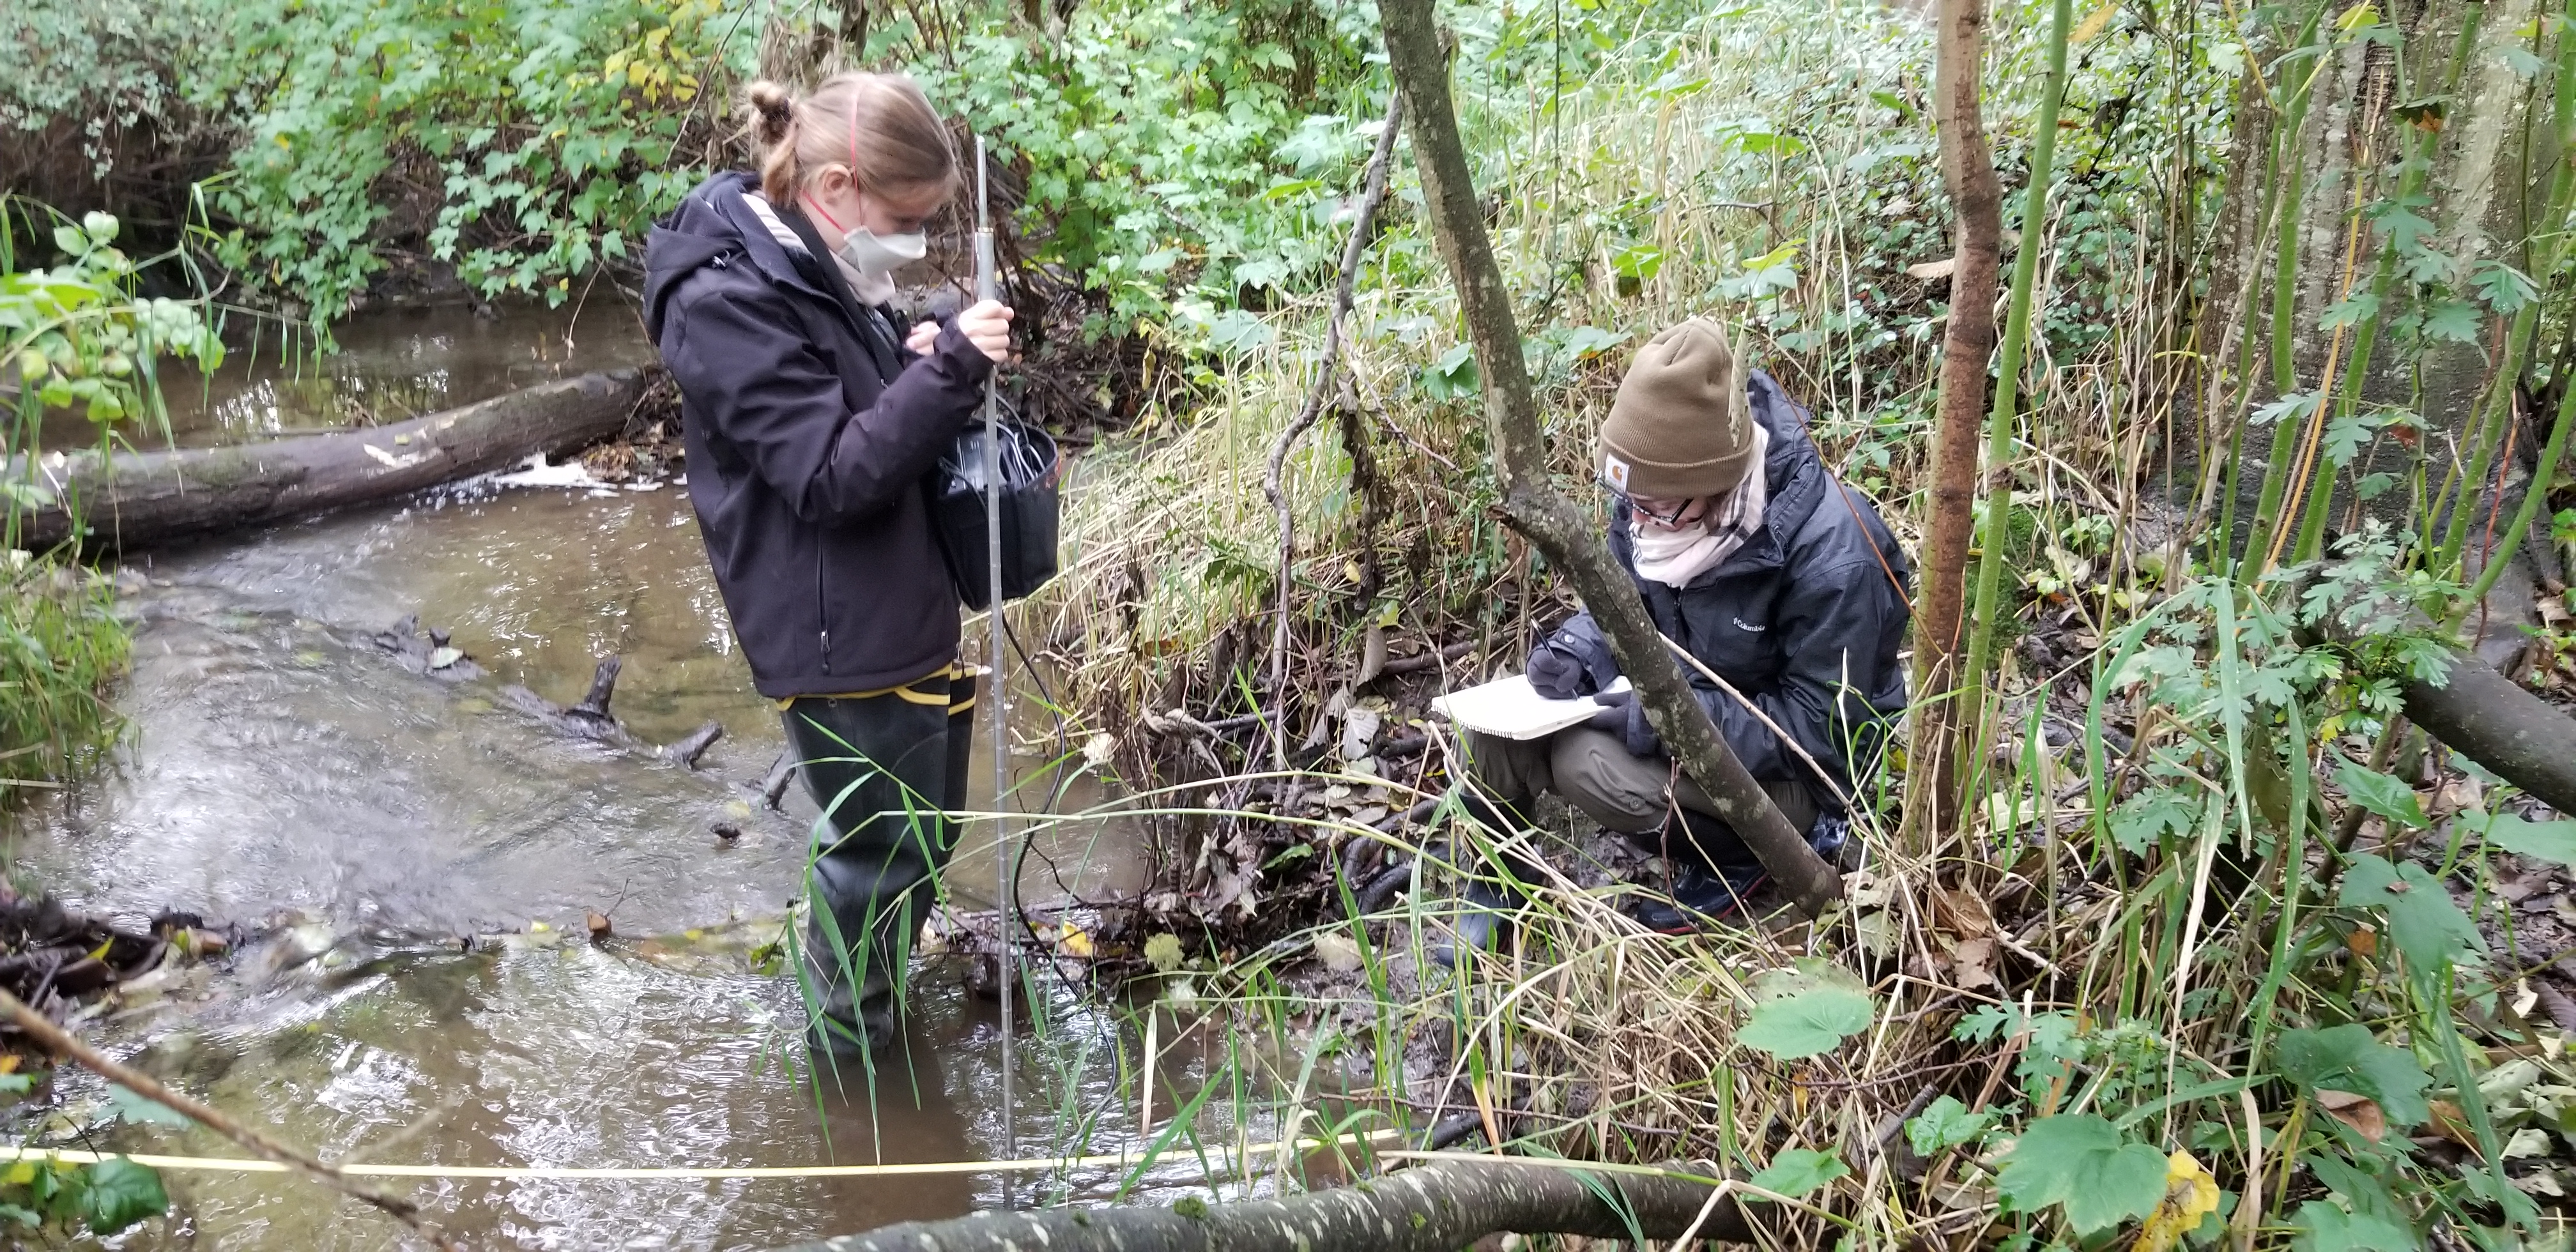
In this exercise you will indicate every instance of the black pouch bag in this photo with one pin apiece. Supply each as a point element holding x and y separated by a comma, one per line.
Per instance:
<point>1029,512</point>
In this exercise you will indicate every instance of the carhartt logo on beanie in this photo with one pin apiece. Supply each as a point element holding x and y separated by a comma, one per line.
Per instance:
<point>1679,428</point>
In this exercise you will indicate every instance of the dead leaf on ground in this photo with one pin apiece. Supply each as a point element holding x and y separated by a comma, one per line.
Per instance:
<point>1930,270</point>
<point>1972,963</point>
<point>1962,913</point>
<point>2359,1112</point>
<point>2452,1124</point>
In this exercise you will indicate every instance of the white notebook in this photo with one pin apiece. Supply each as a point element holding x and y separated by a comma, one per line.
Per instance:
<point>1511,708</point>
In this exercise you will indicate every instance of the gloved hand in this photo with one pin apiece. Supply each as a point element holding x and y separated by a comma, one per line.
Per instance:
<point>1573,661</point>
<point>1621,715</point>
<point>1554,673</point>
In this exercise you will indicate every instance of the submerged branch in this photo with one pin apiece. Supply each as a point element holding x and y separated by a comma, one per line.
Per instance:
<point>65,1044</point>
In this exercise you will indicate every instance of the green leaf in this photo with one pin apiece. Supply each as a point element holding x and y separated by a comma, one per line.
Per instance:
<point>2506,289</point>
<point>16,1084</point>
<point>2325,1228</point>
<point>143,1112</point>
<point>24,1217</point>
<point>2428,927</point>
<point>2151,815</point>
<point>1945,1124</point>
<point>1163,952</point>
<point>2347,1058</point>
<point>1807,1022</point>
<point>121,1193</point>
<point>2382,794</point>
<point>2085,1164</point>
<point>71,240</point>
<point>2454,320</point>
<point>1797,1171</point>
<point>2547,841</point>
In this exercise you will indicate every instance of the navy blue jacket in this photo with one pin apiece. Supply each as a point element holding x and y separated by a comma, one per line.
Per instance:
<point>1805,619</point>
<point>807,450</point>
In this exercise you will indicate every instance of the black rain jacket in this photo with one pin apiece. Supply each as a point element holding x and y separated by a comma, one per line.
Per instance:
<point>1805,619</point>
<point>809,440</point>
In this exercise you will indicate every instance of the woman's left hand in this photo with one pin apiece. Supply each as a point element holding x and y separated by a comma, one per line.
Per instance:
<point>923,335</point>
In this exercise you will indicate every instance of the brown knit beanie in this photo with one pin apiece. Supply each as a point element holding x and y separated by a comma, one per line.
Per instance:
<point>1679,428</point>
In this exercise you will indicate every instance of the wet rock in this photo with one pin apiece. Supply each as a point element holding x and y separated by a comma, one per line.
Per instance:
<point>428,653</point>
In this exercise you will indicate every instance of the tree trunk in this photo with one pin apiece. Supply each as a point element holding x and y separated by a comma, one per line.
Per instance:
<point>1435,1208</point>
<point>155,497</point>
<point>1941,722</point>
<point>1571,543</point>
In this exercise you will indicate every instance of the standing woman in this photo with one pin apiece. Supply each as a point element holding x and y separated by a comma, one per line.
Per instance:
<point>812,424</point>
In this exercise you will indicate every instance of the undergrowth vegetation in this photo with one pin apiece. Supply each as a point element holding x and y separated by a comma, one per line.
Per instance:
<point>75,338</point>
<point>2226,952</point>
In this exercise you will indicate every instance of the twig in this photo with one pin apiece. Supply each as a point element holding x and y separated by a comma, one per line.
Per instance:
<point>63,1043</point>
<point>1327,369</point>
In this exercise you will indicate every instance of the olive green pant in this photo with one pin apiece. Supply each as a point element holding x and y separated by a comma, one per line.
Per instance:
<point>1594,771</point>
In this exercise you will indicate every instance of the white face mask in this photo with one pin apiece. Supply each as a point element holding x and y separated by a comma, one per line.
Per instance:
<point>871,254</point>
<point>877,255</point>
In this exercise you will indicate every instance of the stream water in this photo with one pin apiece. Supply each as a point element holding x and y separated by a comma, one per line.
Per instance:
<point>285,770</point>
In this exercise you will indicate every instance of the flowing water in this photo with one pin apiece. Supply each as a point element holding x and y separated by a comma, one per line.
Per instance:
<point>286,771</point>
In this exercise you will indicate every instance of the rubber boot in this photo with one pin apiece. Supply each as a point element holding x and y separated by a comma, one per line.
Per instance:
<point>883,769</point>
<point>1483,922</point>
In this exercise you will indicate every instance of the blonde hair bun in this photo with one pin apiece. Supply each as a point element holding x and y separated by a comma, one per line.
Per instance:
<point>772,112</point>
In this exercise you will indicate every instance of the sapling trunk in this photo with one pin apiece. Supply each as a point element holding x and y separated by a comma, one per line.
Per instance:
<point>2546,248</point>
<point>1999,424</point>
<point>1569,541</point>
<point>1938,786</point>
<point>2291,175</point>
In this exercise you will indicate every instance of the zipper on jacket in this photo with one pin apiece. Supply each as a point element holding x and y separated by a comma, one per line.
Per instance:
<point>822,609</point>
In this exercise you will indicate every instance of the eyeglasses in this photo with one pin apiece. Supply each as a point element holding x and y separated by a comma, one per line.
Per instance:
<point>1638,508</point>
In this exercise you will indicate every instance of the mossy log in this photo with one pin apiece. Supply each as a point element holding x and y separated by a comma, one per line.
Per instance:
<point>133,500</point>
<point>1436,1208</point>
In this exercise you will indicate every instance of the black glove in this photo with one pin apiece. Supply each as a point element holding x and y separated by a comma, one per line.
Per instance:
<point>1621,715</point>
<point>1573,661</point>
<point>1554,673</point>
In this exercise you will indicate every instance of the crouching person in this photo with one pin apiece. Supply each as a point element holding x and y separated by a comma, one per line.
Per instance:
<point>1780,579</point>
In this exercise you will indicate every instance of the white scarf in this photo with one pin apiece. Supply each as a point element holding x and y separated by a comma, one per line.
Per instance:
<point>1674,557</point>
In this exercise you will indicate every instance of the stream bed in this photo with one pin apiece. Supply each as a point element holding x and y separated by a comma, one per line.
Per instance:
<point>284,772</point>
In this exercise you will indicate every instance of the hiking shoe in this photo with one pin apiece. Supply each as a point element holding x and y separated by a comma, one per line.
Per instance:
<point>1698,898</point>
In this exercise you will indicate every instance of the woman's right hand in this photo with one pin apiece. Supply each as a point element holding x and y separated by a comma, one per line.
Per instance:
<point>987,325</point>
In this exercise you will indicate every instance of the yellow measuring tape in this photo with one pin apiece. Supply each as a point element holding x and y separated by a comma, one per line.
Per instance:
<point>244,1165</point>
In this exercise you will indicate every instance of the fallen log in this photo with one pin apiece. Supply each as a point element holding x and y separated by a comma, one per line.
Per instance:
<point>2493,720</point>
<point>1436,1208</point>
<point>132,500</point>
